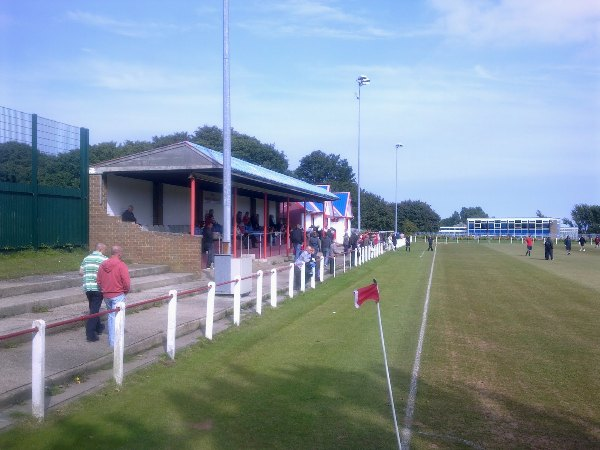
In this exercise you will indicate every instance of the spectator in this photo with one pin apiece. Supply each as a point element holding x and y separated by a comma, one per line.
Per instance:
<point>208,244</point>
<point>89,271</point>
<point>315,242</point>
<point>548,249</point>
<point>407,240</point>
<point>209,217</point>
<point>114,282</point>
<point>326,242</point>
<point>529,244</point>
<point>309,265</point>
<point>297,239</point>
<point>128,216</point>
<point>568,245</point>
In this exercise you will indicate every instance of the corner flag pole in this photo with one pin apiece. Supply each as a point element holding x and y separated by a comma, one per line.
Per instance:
<point>387,374</point>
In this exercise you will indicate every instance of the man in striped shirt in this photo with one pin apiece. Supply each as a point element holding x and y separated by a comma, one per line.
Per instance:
<point>89,271</point>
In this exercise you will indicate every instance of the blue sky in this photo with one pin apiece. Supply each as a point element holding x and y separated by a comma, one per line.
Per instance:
<point>496,102</point>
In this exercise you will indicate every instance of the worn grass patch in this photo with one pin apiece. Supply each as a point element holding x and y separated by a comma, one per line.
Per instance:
<point>46,261</point>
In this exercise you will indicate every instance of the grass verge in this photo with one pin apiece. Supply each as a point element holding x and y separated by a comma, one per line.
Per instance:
<point>510,361</point>
<point>39,262</point>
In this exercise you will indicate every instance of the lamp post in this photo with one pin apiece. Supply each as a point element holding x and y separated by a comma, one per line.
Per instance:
<point>396,192</point>
<point>362,81</point>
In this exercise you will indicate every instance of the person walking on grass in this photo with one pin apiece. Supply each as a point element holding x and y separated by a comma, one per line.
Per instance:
<point>430,242</point>
<point>407,241</point>
<point>568,245</point>
<point>582,242</point>
<point>548,249</point>
<point>89,271</point>
<point>114,281</point>
<point>529,244</point>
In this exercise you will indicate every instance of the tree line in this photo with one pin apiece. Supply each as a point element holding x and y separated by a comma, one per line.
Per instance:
<point>317,167</point>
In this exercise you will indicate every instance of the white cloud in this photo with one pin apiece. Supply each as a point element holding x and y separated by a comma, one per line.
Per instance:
<point>310,18</point>
<point>122,27</point>
<point>515,21</point>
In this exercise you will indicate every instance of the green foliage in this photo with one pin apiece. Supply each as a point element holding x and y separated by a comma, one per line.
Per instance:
<point>471,212</point>
<point>376,214</point>
<point>420,214</point>
<point>15,162</point>
<point>409,227</point>
<point>451,221</point>
<point>587,217</point>
<point>320,168</point>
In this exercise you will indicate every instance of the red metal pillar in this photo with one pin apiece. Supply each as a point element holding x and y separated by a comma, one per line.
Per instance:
<point>304,227</point>
<point>192,204</point>
<point>265,223</point>
<point>287,224</point>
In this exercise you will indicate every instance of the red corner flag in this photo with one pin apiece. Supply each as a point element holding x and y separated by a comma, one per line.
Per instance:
<point>370,292</point>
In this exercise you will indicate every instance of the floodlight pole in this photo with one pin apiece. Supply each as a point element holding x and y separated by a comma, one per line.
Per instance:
<point>362,81</point>
<point>226,135</point>
<point>396,193</point>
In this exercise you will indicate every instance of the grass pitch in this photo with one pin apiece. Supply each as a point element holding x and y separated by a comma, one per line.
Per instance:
<point>510,360</point>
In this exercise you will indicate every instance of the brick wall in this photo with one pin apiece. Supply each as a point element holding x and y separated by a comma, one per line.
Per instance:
<point>181,252</point>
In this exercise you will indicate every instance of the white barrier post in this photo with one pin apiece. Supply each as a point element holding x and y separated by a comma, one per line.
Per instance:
<point>171,323</point>
<point>356,257</point>
<point>210,310</point>
<point>119,350</point>
<point>334,264</point>
<point>38,369</point>
<point>303,277</point>
<point>237,300</point>
<point>313,278</point>
<point>344,256</point>
<point>259,291</point>
<point>274,288</point>
<point>291,281</point>
<point>321,269</point>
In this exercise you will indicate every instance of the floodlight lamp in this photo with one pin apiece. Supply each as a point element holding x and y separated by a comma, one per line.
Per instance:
<point>399,145</point>
<point>362,80</point>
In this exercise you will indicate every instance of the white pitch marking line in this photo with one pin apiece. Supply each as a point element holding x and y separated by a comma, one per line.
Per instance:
<point>412,394</point>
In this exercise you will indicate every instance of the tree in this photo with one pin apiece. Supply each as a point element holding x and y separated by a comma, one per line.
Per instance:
<point>15,162</point>
<point>568,222</point>
<point>376,213</point>
<point>587,218</point>
<point>320,168</point>
<point>420,213</point>
<point>454,219</point>
<point>471,212</point>
<point>539,214</point>
<point>409,227</point>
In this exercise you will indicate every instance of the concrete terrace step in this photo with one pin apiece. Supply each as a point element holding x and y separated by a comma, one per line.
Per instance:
<point>44,283</point>
<point>49,299</point>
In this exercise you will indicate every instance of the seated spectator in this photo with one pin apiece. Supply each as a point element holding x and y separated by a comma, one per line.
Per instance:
<point>128,216</point>
<point>309,266</point>
<point>254,223</point>
<point>246,218</point>
<point>209,217</point>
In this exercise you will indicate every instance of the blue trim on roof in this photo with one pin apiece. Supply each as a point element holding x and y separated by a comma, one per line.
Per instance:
<point>242,167</point>
<point>341,204</point>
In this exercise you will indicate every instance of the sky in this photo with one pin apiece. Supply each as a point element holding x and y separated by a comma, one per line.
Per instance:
<point>496,103</point>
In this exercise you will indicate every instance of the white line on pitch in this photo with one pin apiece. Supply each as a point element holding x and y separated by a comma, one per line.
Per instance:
<point>412,394</point>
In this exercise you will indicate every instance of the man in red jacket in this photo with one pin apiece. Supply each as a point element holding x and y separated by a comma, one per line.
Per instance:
<point>113,280</point>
